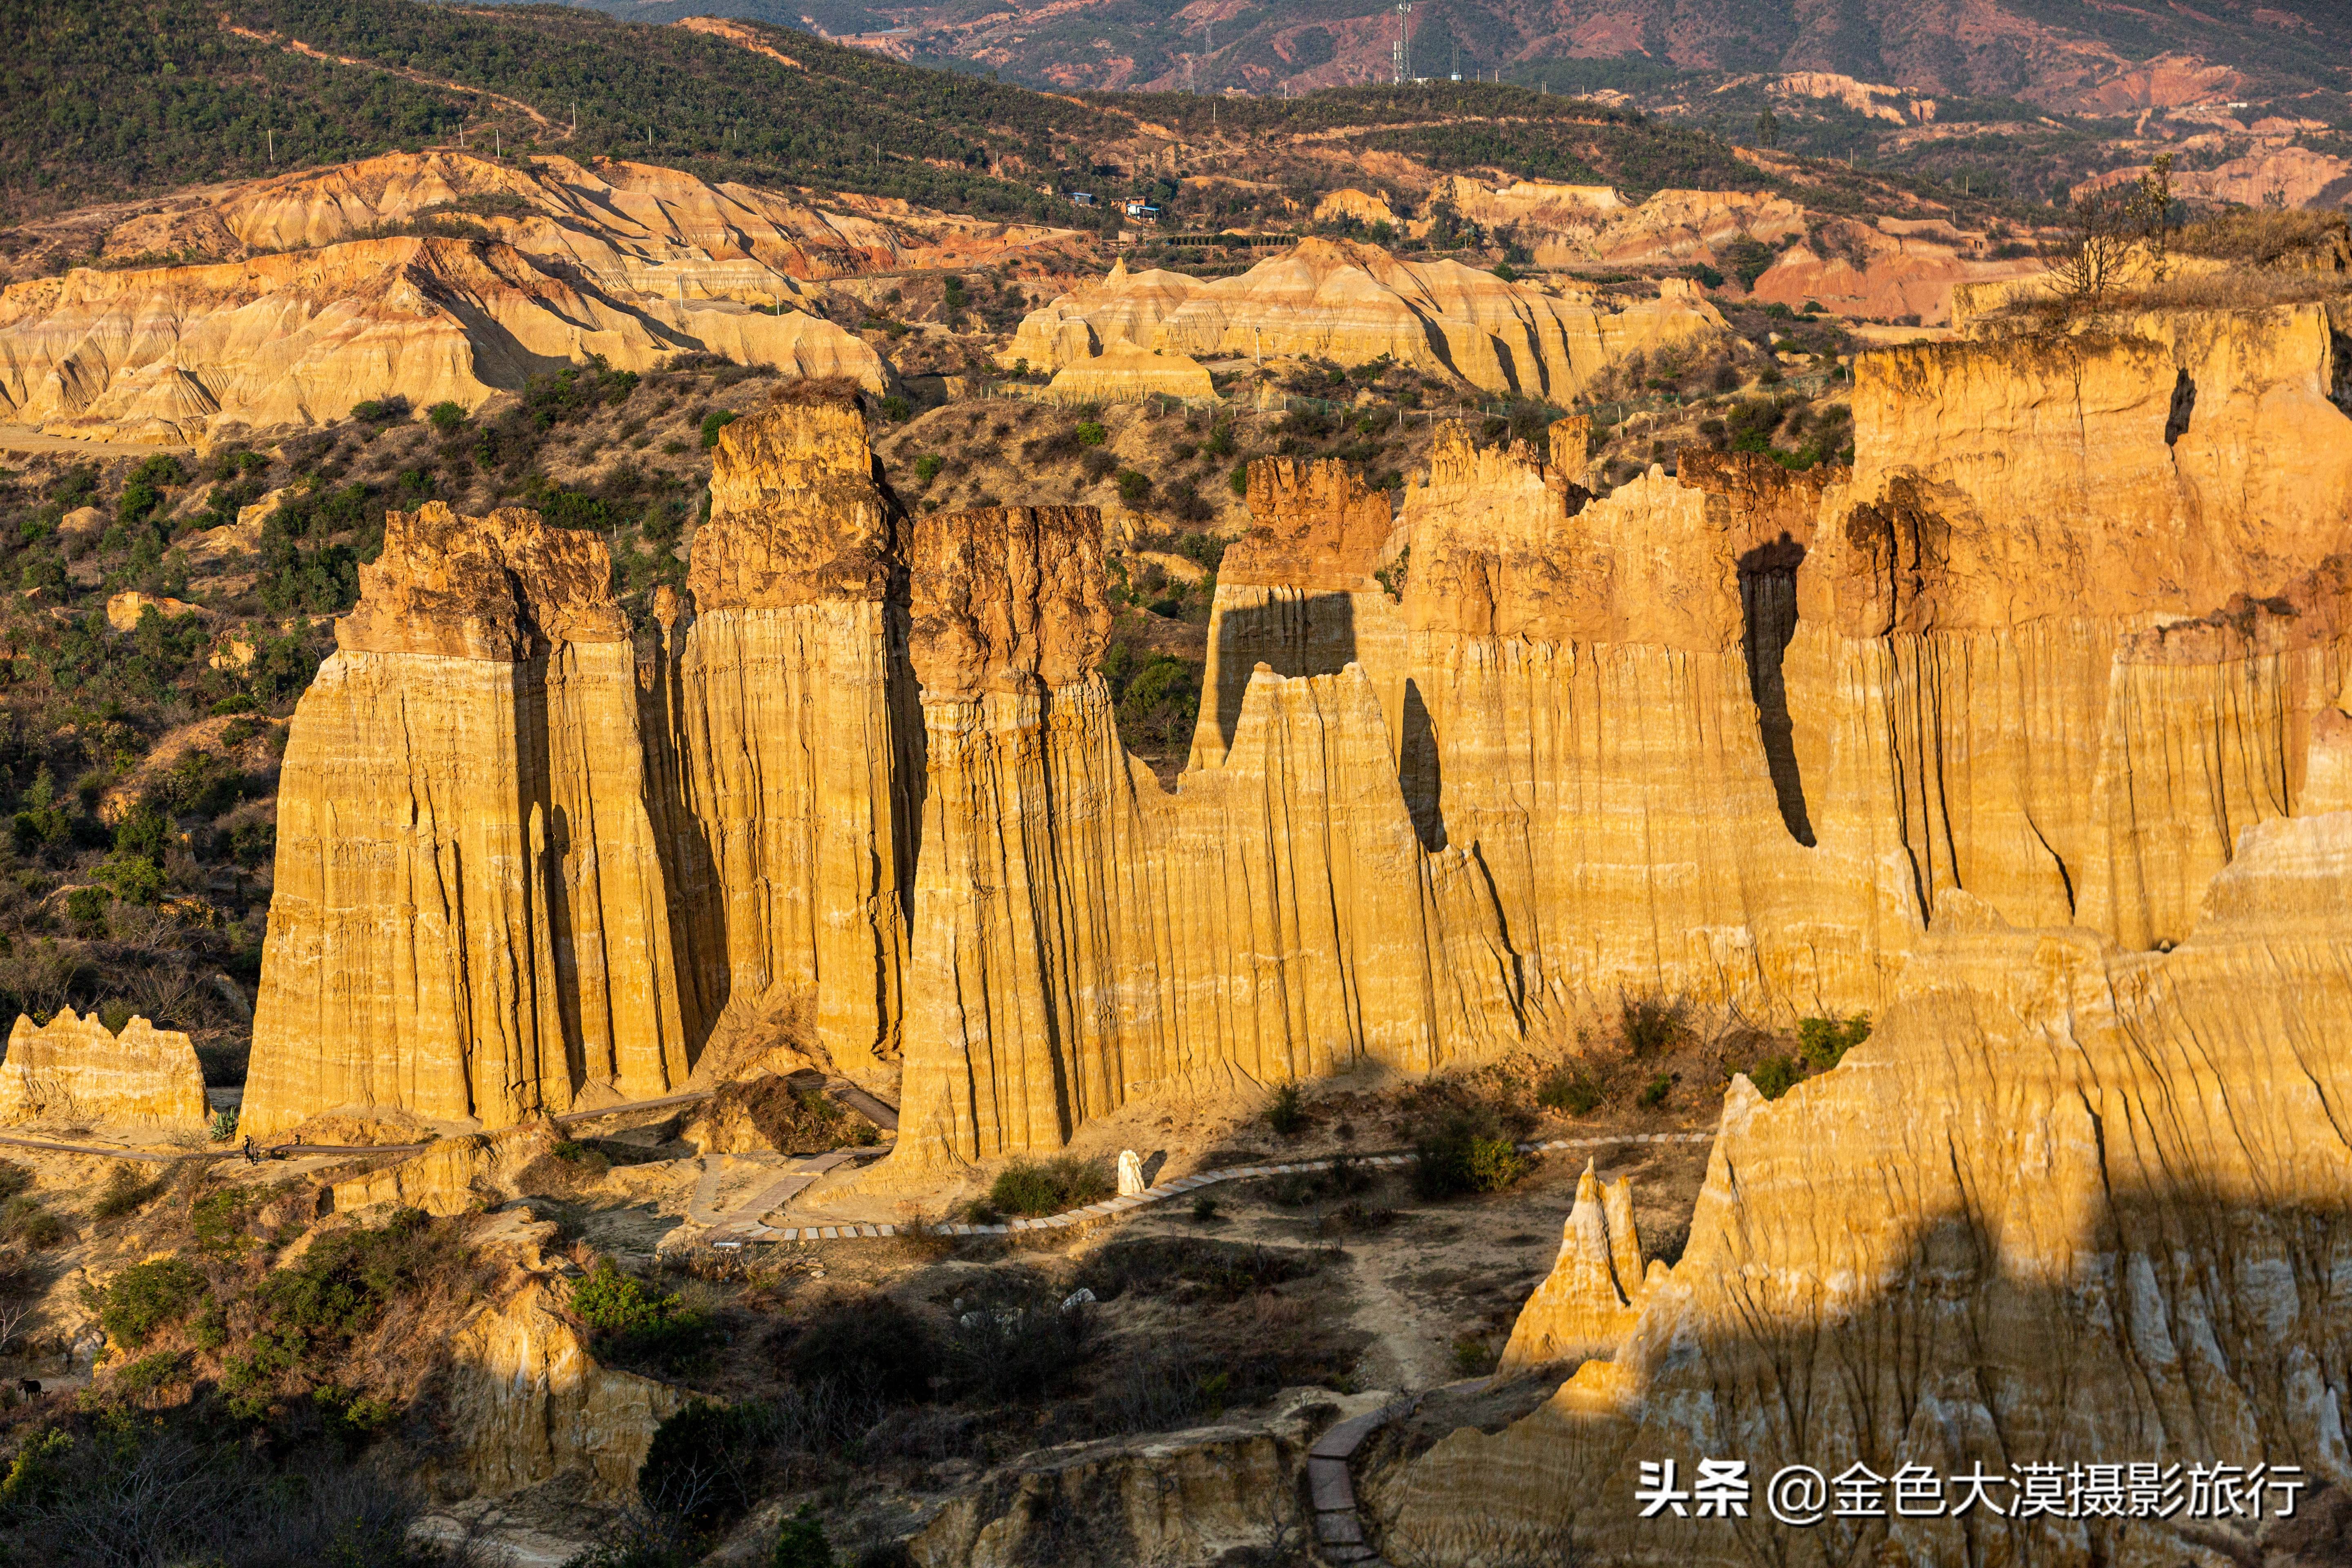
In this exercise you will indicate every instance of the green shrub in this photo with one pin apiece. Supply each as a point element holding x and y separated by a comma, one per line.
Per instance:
<point>237,702</point>
<point>87,907</point>
<point>446,417</point>
<point>1133,486</point>
<point>1286,1113</point>
<point>897,409</point>
<point>1773,1076</point>
<point>1091,433</point>
<point>928,467</point>
<point>1238,481</point>
<point>636,1327</point>
<point>134,879</point>
<point>612,1302</point>
<point>801,1543</point>
<point>1049,1186</point>
<point>1653,1023</point>
<point>147,1298</point>
<point>1507,272</point>
<point>1654,1093</point>
<point>151,1375</point>
<point>1473,1356</point>
<point>217,1220</point>
<point>1823,1042</point>
<point>1570,1089</point>
<point>1204,1208</point>
<point>715,421</point>
<point>1467,1153</point>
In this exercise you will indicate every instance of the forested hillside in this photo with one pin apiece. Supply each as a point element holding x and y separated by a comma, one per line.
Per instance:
<point>101,102</point>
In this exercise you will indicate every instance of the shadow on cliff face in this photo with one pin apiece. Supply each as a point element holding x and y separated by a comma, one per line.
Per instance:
<point>1767,604</point>
<point>1310,635</point>
<point>2189,1331</point>
<point>1420,770</point>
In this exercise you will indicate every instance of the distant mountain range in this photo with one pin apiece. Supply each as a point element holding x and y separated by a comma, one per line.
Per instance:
<point>2058,55</point>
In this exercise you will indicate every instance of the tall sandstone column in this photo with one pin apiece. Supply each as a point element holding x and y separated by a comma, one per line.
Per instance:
<point>789,743</point>
<point>470,920</point>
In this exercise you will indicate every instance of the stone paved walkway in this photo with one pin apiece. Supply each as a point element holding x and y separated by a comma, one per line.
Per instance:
<point>1111,1207</point>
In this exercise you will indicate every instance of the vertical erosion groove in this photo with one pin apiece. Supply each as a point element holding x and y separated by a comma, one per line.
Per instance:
<point>1768,604</point>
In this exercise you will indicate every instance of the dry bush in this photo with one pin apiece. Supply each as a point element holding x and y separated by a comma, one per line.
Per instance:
<point>2264,237</point>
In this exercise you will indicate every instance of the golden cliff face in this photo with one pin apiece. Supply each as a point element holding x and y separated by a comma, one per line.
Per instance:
<point>1300,593</point>
<point>1082,938</point>
<point>2068,631</point>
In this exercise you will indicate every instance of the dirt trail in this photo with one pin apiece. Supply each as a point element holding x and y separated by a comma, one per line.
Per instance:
<point>1406,1353</point>
<point>443,84</point>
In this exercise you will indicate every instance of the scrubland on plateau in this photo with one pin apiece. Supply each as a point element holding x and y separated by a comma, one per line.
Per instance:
<point>1673,821</point>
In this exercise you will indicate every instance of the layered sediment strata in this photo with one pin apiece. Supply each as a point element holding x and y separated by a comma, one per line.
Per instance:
<point>2059,638</point>
<point>471,919</point>
<point>2068,1205</point>
<point>1355,303</point>
<point>75,1068</point>
<point>177,354</point>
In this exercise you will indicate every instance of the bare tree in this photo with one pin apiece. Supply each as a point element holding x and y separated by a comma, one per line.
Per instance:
<point>2091,261</point>
<point>15,1313</point>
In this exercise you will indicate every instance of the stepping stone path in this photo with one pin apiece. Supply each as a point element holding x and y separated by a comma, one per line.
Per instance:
<point>1111,1207</point>
<point>802,1174</point>
<point>1339,1532</point>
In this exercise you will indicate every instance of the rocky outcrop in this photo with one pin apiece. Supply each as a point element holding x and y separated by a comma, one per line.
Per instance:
<point>2068,1204</point>
<point>75,1069</point>
<point>1887,272</point>
<point>124,610</point>
<point>1124,308</point>
<point>1568,226</point>
<point>1354,304</point>
<point>471,919</point>
<point>530,1403</point>
<point>1124,370</point>
<point>633,227</point>
<point>1589,1303</point>
<point>1185,1497</point>
<point>174,354</point>
<point>453,1177</point>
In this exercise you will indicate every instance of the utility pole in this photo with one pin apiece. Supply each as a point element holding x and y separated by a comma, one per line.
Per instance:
<point>272,134</point>
<point>1400,57</point>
